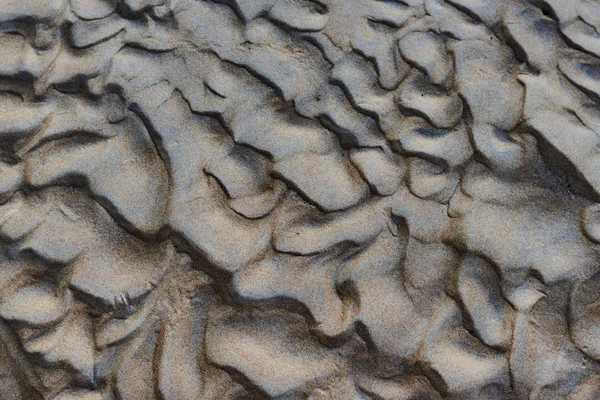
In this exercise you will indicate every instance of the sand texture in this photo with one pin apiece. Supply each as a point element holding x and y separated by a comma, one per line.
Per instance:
<point>299,199</point>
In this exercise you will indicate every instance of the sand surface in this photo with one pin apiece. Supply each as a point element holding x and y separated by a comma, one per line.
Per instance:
<point>299,199</point>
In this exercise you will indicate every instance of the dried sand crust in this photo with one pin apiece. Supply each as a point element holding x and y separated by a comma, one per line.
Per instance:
<point>299,199</point>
